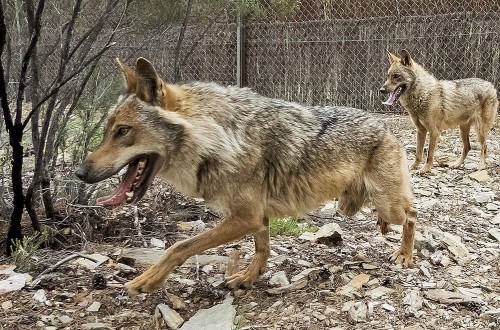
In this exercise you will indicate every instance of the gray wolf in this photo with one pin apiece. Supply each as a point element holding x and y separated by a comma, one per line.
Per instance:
<point>249,157</point>
<point>435,105</point>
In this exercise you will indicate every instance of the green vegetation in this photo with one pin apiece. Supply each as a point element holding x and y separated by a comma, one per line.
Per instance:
<point>290,226</point>
<point>24,249</point>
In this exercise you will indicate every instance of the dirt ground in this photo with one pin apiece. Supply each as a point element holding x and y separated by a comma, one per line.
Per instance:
<point>452,206</point>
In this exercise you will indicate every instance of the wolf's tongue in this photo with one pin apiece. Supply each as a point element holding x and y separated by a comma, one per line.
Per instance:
<point>120,194</point>
<point>392,97</point>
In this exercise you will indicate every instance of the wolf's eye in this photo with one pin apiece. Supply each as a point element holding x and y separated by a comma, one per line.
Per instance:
<point>123,130</point>
<point>396,76</point>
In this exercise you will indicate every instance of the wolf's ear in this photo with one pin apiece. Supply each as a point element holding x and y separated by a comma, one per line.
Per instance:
<point>129,75</point>
<point>392,58</point>
<point>405,57</point>
<point>149,84</point>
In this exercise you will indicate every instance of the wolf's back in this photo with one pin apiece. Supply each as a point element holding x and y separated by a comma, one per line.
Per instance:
<point>296,152</point>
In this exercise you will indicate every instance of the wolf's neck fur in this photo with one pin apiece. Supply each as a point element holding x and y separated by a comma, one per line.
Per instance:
<point>413,99</point>
<point>204,141</point>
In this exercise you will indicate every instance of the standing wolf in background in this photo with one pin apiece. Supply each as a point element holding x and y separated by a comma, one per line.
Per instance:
<point>435,105</point>
<point>251,158</point>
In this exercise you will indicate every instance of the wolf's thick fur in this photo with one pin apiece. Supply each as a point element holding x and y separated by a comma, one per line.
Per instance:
<point>435,105</point>
<point>252,158</point>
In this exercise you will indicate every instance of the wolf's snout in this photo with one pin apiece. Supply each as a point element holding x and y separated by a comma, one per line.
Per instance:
<point>382,90</point>
<point>82,172</point>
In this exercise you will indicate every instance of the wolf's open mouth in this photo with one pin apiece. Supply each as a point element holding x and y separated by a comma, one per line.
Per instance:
<point>394,95</point>
<point>134,183</point>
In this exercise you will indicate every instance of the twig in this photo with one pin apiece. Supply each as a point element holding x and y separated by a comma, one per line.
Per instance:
<point>197,268</point>
<point>80,206</point>
<point>137,225</point>
<point>335,217</point>
<point>212,214</point>
<point>51,269</point>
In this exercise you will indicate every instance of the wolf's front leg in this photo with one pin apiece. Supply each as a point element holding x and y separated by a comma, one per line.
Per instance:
<point>248,276</point>
<point>228,230</point>
<point>433,142</point>
<point>421,134</point>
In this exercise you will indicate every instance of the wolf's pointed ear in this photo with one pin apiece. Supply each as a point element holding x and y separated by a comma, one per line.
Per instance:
<point>149,84</point>
<point>129,75</point>
<point>405,57</point>
<point>392,58</point>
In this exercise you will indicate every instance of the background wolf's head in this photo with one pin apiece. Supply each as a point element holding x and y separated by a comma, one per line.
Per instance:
<point>400,76</point>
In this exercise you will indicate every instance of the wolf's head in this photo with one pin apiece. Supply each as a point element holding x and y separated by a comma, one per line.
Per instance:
<point>141,134</point>
<point>400,76</point>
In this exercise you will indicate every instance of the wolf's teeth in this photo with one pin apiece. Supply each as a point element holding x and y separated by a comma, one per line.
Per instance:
<point>129,194</point>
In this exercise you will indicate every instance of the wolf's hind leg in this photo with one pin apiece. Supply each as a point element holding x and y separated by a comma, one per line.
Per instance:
<point>388,184</point>
<point>482,133</point>
<point>353,198</point>
<point>464,134</point>
<point>484,123</point>
<point>245,278</point>
<point>404,255</point>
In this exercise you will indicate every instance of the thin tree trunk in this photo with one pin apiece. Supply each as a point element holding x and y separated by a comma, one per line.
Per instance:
<point>35,133</point>
<point>178,47</point>
<point>16,127</point>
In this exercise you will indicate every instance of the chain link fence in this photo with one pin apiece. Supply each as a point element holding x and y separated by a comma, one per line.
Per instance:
<point>335,52</point>
<point>329,52</point>
<point>323,52</point>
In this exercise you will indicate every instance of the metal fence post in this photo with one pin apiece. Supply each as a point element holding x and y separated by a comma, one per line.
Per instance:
<point>241,68</point>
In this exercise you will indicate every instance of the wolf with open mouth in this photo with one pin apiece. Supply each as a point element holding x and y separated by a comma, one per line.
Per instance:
<point>249,157</point>
<point>435,105</point>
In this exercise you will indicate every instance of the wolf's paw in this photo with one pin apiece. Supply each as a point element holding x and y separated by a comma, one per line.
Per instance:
<point>403,258</point>
<point>147,282</point>
<point>244,279</point>
<point>456,164</point>
<point>385,227</point>
<point>425,169</point>
<point>414,166</point>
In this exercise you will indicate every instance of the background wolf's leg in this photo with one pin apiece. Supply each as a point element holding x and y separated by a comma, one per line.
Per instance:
<point>246,277</point>
<point>421,134</point>
<point>228,230</point>
<point>464,134</point>
<point>482,132</point>
<point>433,141</point>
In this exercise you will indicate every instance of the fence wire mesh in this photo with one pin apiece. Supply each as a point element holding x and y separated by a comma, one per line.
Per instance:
<point>334,52</point>
<point>330,52</point>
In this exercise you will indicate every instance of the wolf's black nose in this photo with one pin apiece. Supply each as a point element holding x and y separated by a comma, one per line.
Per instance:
<point>382,90</point>
<point>82,172</point>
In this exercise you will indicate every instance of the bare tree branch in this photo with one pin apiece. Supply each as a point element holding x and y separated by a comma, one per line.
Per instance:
<point>64,81</point>
<point>177,51</point>
<point>200,37</point>
<point>26,59</point>
<point>3,84</point>
<point>85,63</point>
